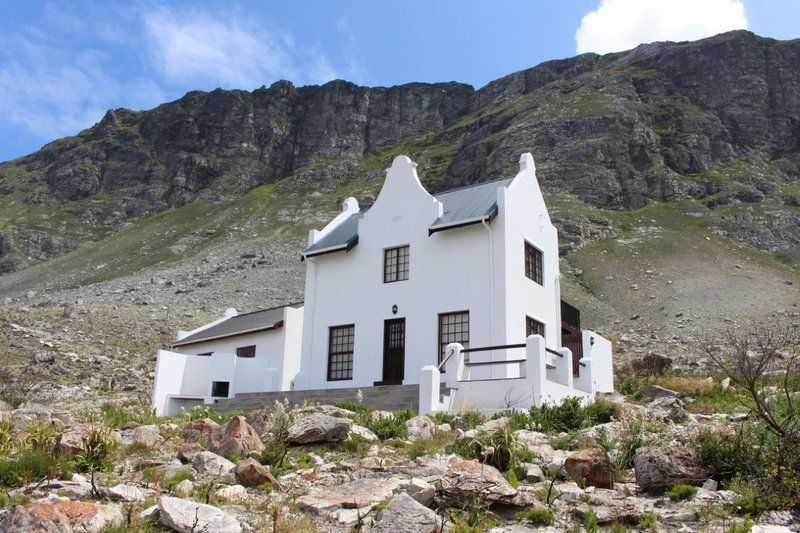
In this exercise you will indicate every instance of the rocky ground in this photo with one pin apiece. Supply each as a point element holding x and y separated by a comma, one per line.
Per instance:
<point>347,468</point>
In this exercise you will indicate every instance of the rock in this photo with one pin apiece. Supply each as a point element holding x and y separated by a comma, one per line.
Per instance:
<point>187,452</point>
<point>420,490</point>
<point>149,515</point>
<point>75,490</point>
<point>203,431</point>
<point>668,409</point>
<point>123,493</point>
<point>186,516</point>
<point>62,516</point>
<point>330,410</point>
<point>231,493</point>
<point>349,501</point>
<point>531,439</point>
<point>710,485</point>
<point>184,489</point>
<point>365,433</point>
<point>470,482</point>
<point>44,357</point>
<point>661,467</point>
<point>146,436</point>
<point>251,473</point>
<point>319,427</point>
<point>653,392</point>
<point>238,438</point>
<point>491,425</point>
<point>406,515</point>
<point>210,463</point>
<point>72,438</point>
<point>591,467</point>
<point>420,427</point>
<point>770,528</point>
<point>534,473</point>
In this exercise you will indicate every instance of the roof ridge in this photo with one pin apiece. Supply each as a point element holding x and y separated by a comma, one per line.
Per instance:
<point>268,309</point>
<point>473,185</point>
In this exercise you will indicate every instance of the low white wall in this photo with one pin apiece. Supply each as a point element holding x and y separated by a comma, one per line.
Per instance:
<point>170,368</point>
<point>602,365</point>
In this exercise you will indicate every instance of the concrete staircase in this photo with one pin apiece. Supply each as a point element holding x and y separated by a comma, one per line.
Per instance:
<point>383,397</point>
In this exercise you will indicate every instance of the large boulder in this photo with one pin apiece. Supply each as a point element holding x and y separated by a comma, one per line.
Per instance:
<point>661,467</point>
<point>591,467</point>
<point>352,500</point>
<point>124,493</point>
<point>406,515</point>
<point>668,409</point>
<point>472,483</point>
<point>187,516</point>
<point>212,464</point>
<point>318,427</point>
<point>145,436</point>
<point>649,393</point>
<point>203,431</point>
<point>238,438</point>
<point>251,473</point>
<point>63,516</point>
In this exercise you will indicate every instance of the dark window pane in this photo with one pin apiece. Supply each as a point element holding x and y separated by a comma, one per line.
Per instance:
<point>453,327</point>
<point>533,327</point>
<point>395,264</point>
<point>246,351</point>
<point>340,353</point>
<point>533,263</point>
<point>219,389</point>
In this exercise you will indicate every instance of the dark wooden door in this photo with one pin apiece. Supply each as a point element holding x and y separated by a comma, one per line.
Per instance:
<point>394,350</point>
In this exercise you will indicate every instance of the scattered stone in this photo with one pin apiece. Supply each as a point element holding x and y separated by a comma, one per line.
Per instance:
<point>230,493</point>
<point>667,408</point>
<point>661,467</point>
<point>420,427</point>
<point>251,473</point>
<point>123,493</point>
<point>710,485</point>
<point>203,429</point>
<point>421,491</point>
<point>44,357</point>
<point>184,489</point>
<point>210,463</point>
<point>60,516</point>
<point>319,427</point>
<point>147,436</point>
<point>186,516</point>
<point>187,452</point>
<point>470,482</point>
<point>75,490</point>
<point>238,438</point>
<point>653,392</point>
<point>365,433</point>
<point>534,473</point>
<point>349,501</point>
<point>406,515</point>
<point>591,467</point>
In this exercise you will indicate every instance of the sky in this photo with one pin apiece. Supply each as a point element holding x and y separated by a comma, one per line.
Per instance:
<point>64,63</point>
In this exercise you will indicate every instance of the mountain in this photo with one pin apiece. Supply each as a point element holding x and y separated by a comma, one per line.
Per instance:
<point>717,120</point>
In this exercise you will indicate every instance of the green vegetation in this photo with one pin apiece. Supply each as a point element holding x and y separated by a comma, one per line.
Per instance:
<point>116,415</point>
<point>679,493</point>
<point>537,517</point>
<point>590,521</point>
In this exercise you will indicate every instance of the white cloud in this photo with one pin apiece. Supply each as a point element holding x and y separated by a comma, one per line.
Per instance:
<point>623,24</point>
<point>201,48</point>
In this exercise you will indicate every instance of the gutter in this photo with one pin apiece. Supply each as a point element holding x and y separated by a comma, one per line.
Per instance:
<point>461,223</point>
<point>276,325</point>
<point>491,285</point>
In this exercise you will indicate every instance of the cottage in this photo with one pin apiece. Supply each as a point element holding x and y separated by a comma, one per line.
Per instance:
<point>456,293</point>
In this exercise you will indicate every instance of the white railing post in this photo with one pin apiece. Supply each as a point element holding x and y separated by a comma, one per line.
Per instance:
<point>535,367</point>
<point>454,367</point>
<point>429,390</point>
<point>562,373</point>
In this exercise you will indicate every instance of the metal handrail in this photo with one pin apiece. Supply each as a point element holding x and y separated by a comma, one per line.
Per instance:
<point>501,362</point>
<point>492,348</point>
<point>449,355</point>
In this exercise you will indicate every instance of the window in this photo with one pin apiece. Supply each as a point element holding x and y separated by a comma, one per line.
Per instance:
<point>246,351</point>
<point>453,327</point>
<point>395,264</point>
<point>220,389</point>
<point>533,263</point>
<point>533,327</point>
<point>205,354</point>
<point>340,352</point>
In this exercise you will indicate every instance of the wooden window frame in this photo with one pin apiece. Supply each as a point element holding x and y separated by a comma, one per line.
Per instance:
<point>534,263</point>
<point>440,345</point>
<point>214,384</point>
<point>396,263</point>
<point>244,351</point>
<point>529,322</point>
<point>345,373</point>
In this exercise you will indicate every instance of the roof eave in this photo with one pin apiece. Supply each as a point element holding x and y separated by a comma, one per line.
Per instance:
<point>332,249</point>
<point>488,217</point>
<point>276,325</point>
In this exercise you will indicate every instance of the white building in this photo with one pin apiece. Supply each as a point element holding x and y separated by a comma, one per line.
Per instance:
<point>388,290</point>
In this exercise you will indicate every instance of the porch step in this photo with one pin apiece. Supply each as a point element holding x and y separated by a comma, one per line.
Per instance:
<point>383,397</point>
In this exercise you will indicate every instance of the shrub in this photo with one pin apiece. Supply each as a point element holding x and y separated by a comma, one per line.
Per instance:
<point>497,447</point>
<point>631,439</point>
<point>648,521</point>
<point>98,447</point>
<point>388,427</point>
<point>30,465</point>
<point>725,454</point>
<point>679,493</point>
<point>511,477</point>
<point>442,418</point>
<point>116,415</point>
<point>517,419</point>
<point>537,517</point>
<point>432,445</point>
<point>590,522</point>
<point>356,407</point>
<point>571,415</point>
<point>181,475</point>
<point>355,445</point>
<point>600,412</point>
<point>274,454</point>
<point>42,437</point>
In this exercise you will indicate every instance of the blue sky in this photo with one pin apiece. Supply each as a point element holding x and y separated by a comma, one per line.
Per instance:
<point>64,63</point>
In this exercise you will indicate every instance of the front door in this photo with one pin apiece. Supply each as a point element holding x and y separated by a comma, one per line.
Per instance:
<point>394,350</point>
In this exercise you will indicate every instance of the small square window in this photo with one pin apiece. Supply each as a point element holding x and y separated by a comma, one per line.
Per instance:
<point>533,263</point>
<point>246,351</point>
<point>533,327</point>
<point>220,389</point>
<point>395,264</point>
<point>205,354</point>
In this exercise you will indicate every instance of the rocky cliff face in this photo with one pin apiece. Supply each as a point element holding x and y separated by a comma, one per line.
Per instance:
<point>717,120</point>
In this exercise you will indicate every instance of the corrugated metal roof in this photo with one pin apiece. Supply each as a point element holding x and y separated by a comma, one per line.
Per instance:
<point>468,203</point>
<point>343,236</point>
<point>239,324</point>
<point>460,206</point>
